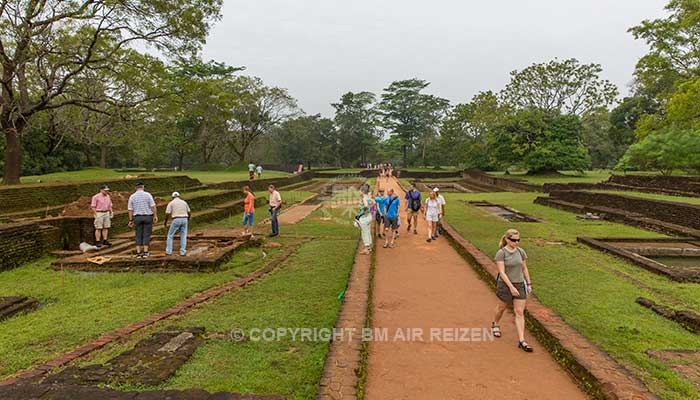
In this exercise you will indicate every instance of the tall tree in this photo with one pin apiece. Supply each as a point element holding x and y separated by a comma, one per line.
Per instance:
<point>411,115</point>
<point>46,45</point>
<point>260,108</point>
<point>356,123</point>
<point>305,140</point>
<point>566,87</point>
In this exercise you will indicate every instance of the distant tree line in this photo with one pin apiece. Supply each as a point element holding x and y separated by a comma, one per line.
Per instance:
<point>76,93</point>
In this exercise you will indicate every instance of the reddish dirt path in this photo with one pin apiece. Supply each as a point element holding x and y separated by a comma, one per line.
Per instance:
<point>428,285</point>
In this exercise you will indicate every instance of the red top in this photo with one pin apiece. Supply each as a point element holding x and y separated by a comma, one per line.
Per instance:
<point>249,203</point>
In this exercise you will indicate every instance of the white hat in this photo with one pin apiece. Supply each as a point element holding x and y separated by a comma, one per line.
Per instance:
<point>436,189</point>
<point>176,194</point>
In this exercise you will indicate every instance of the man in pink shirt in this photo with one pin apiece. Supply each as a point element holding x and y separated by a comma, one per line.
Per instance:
<point>102,208</point>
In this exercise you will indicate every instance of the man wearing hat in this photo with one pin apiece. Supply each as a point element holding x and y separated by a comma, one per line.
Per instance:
<point>101,205</point>
<point>179,211</point>
<point>142,215</point>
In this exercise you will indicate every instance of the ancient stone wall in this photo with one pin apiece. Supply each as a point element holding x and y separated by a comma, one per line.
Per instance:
<point>682,214</point>
<point>689,184</point>
<point>262,184</point>
<point>20,243</point>
<point>28,197</point>
<point>504,183</point>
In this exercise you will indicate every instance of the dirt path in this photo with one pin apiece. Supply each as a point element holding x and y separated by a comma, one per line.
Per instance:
<point>428,285</point>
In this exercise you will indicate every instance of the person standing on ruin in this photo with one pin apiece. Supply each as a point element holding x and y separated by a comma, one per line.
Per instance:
<point>251,171</point>
<point>180,212</point>
<point>248,211</point>
<point>101,205</point>
<point>259,170</point>
<point>275,208</point>
<point>142,215</point>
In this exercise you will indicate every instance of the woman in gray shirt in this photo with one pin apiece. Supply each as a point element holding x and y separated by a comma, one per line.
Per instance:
<point>513,285</point>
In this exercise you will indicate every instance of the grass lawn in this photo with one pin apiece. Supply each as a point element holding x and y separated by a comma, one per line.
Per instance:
<point>91,174</point>
<point>581,284</point>
<point>302,292</point>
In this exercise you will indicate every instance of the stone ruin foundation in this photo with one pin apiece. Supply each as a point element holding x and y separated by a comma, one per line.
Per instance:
<point>675,258</point>
<point>504,212</point>
<point>204,254</point>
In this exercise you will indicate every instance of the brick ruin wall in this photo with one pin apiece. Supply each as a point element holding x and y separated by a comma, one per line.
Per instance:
<point>27,197</point>
<point>21,243</point>
<point>687,215</point>
<point>503,183</point>
<point>688,184</point>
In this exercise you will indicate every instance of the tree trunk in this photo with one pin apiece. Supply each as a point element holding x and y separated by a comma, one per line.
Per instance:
<point>181,161</point>
<point>405,155</point>
<point>88,155</point>
<point>13,155</point>
<point>103,156</point>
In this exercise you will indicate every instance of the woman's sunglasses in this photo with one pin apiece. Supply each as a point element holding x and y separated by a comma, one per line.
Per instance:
<point>514,240</point>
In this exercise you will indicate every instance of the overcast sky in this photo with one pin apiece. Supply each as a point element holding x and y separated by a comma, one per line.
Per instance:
<point>320,49</point>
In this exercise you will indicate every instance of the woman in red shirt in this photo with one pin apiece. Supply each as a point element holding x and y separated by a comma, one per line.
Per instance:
<point>248,211</point>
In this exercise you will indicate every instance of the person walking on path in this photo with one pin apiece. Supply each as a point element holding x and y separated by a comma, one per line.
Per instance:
<point>251,171</point>
<point>258,170</point>
<point>413,207</point>
<point>248,211</point>
<point>180,213</point>
<point>275,207</point>
<point>513,285</point>
<point>441,200</point>
<point>364,218</point>
<point>101,205</point>
<point>432,215</point>
<point>142,215</point>
<point>380,204</point>
<point>391,218</point>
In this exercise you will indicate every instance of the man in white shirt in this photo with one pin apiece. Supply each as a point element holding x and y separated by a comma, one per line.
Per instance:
<point>142,215</point>
<point>275,207</point>
<point>179,211</point>
<point>258,169</point>
<point>441,202</point>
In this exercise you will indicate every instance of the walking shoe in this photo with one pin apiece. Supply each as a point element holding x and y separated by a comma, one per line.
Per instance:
<point>415,232</point>
<point>106,243</point>
<point>429,240</point>
<point>146,255</point>
<point>434,237</point>
<point>168,254</point>
<point>98,245</point>
<point>272,234</point>
<point>183,255</point>
<point>139,255</point>
<point>408,228</point>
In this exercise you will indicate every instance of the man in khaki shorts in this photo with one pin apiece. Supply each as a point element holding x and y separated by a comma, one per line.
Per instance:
<point>101,205</point>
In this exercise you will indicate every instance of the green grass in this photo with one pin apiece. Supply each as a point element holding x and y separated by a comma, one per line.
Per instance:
<point>92,174</point>
<point>302,292</point>
<point>653,196</point>
<point>581,285</point>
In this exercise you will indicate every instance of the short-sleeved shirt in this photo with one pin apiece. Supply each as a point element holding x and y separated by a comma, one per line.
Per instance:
<point>251,167</point>
<point>141,202</point>
<point>259,169</point>
<point>413,199</point>
<point>392,206</point>
<point>441,199</point>
<point>101,202</point>
<point>178,208</point>
<point>249,203</point>
<point>514,263</point>
<point>381,203</point>
<point>275,199</point>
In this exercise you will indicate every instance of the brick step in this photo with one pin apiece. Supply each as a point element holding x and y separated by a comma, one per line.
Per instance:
<point>18,305</point>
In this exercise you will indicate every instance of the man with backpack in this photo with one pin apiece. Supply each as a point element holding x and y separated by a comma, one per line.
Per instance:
<point>413,207</point>
<point>391,217</point>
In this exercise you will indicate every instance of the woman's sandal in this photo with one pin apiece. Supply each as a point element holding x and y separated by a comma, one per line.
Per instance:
<point>526,347</point>
<point>495,330</point>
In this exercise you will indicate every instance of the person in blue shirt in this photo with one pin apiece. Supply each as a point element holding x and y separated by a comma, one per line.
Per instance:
<point>380,209</point>
<point>391,217</point>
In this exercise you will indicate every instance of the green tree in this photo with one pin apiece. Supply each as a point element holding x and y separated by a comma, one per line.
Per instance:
<point>260,108</point>
<point>540,141</point>
<point>305,140</point>
<point>566,87</point>
<point>356,121</point>
<point>411,116</point>
<point>465,130</point>
<point>46,45</point>
<point>665,150</point>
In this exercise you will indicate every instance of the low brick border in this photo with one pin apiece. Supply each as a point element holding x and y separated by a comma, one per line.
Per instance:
<point>595,371</point>
<point>123,332</point>
<point>340,378</point>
